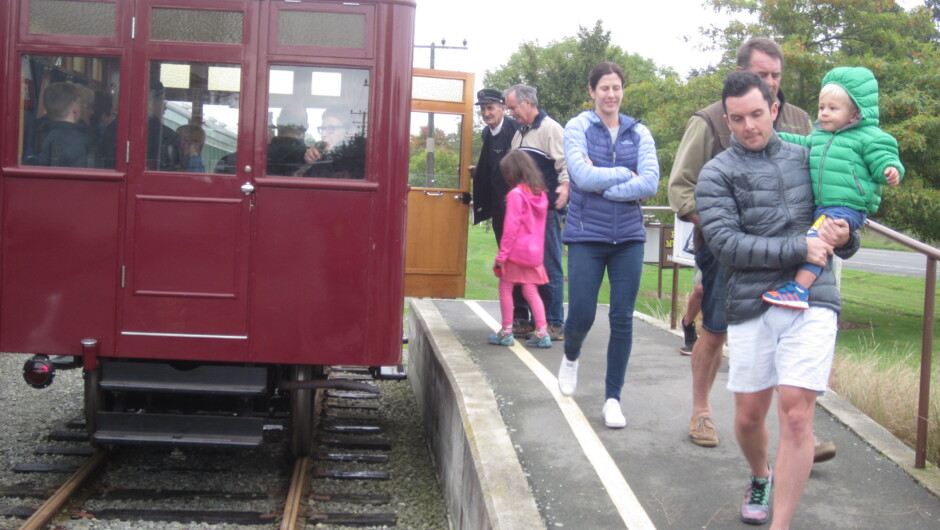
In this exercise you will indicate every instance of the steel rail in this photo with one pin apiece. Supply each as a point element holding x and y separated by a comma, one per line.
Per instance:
<point>49,509</point>
<point>296,495</point>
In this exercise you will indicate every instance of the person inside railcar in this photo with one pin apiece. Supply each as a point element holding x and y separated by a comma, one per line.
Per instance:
<point>340,153</point>
<point>163,144</point>
<point>104,121</point>
<point>66,143</point>
<point>227,164</point>
<point>286,150</point>
<point>86,101</point>
<point>192,139</point>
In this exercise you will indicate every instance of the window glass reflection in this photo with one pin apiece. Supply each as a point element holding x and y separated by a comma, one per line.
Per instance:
<point>192,123</point>
<point>68,105</point>
<point>435,150</point>
<point>318,122</point>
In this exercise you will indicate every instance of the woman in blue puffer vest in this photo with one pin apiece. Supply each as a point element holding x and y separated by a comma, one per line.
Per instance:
<point>613,166</point>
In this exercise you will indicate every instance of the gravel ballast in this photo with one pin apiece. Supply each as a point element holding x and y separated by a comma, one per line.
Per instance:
<point>28,415</point>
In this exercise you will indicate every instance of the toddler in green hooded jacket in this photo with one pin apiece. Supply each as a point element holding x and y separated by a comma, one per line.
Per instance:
<point>850,158</point>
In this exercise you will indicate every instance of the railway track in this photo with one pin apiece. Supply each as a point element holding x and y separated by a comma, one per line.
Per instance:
<point>348,481</point>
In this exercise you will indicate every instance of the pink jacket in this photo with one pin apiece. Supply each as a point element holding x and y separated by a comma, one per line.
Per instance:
<point>523,241</point>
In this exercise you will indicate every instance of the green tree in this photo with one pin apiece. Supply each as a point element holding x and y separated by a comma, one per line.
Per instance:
<point>559,71</point>
<point>446,170</point>
<point>900,47</point>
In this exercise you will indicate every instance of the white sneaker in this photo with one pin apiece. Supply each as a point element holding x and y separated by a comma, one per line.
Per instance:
<point>567,376</point>
<point>613,417</point>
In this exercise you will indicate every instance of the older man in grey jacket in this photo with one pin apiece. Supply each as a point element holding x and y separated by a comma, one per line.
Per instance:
<point>755,203</point>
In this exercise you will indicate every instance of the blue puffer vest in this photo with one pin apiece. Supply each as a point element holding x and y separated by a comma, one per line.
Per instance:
<point>591,217</point>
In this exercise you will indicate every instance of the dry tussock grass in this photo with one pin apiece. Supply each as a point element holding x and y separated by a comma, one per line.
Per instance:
<point>882,384</point>
<point>888,393</point>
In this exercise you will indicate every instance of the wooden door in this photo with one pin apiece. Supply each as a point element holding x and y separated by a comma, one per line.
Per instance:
<point>438,203</point>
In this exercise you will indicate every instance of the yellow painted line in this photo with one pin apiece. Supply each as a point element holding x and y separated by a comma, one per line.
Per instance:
<point>629,508</point>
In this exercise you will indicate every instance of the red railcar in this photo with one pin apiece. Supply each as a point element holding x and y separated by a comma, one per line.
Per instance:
<point>203,201</point>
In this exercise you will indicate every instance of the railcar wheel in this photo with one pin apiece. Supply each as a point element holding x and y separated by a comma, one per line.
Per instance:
<point>94,400</point>
<point>301,412</point>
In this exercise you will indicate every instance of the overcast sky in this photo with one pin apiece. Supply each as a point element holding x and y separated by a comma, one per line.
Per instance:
<point>666,31</point>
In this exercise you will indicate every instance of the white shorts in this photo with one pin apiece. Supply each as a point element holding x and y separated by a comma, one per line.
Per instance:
<point>783,346</point>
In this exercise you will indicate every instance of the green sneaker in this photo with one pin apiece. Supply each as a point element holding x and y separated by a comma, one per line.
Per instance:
<point>756,506</point>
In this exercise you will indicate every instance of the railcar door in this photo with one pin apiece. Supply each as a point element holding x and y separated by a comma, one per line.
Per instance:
<point>186,255</point>
<point>438,203</point>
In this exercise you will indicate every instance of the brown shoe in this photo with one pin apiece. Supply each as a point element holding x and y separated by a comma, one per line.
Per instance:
<point>556,332</point>
<point>823,451</point>
<point>522,328</point>
<point>702,432</point>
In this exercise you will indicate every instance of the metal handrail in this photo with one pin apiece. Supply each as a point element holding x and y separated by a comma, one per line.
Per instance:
<point>926,344</point>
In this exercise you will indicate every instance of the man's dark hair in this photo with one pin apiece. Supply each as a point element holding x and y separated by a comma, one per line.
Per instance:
<point>739,83</point>
<point>761,44</point>
<point>58,99</point>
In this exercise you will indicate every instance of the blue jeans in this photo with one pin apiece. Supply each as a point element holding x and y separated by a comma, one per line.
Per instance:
<point>587,263</point>
<point>714,290</point>
<point>855,218</point>
<point>553,292</point>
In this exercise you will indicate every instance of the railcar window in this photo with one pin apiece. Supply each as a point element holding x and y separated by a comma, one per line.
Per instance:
<point>58,17</point>
<point>193,112</point>
<point>435,156</point>
<point>319,122</point>
<point>69,111</point>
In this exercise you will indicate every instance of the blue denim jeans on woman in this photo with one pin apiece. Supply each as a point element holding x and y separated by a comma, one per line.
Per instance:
<point>587,263</point>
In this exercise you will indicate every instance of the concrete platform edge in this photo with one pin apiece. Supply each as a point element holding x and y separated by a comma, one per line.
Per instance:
<point>866,428</point>
<point>483,481</point>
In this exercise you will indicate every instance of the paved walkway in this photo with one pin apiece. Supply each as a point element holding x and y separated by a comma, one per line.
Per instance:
<point>585,476</point>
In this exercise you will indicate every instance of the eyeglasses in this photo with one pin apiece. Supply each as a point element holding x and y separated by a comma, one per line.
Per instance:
<point>329,129</point>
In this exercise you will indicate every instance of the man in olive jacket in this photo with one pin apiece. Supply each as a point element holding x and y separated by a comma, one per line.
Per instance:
<point>755,203</point>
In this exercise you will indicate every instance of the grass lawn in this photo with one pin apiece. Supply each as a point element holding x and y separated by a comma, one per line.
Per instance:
<point>881,313</point>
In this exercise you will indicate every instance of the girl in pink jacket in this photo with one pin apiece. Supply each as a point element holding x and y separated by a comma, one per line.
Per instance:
<point>519,261</point>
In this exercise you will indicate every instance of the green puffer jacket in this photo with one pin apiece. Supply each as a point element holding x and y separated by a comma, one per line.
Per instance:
<point>847,166</point>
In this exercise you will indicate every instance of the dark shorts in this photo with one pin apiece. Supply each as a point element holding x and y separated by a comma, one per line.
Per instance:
<point>714,290</point>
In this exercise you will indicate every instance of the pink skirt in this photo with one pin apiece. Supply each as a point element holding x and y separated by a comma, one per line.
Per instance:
<point>515,273</point>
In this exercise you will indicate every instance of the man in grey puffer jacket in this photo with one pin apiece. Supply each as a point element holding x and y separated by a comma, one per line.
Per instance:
<point>755,203</point>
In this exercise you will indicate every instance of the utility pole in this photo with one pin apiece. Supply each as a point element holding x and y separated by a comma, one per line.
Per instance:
<point>429,166</point>
<point>442,46</point>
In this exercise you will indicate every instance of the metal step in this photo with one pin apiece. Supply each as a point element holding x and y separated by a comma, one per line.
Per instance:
<point>177,429</point>
<point>206,379</point>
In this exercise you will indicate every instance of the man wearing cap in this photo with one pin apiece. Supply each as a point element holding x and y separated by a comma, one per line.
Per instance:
<point>543,139</point>
<point>489,187</point>
<point>286,150</point>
